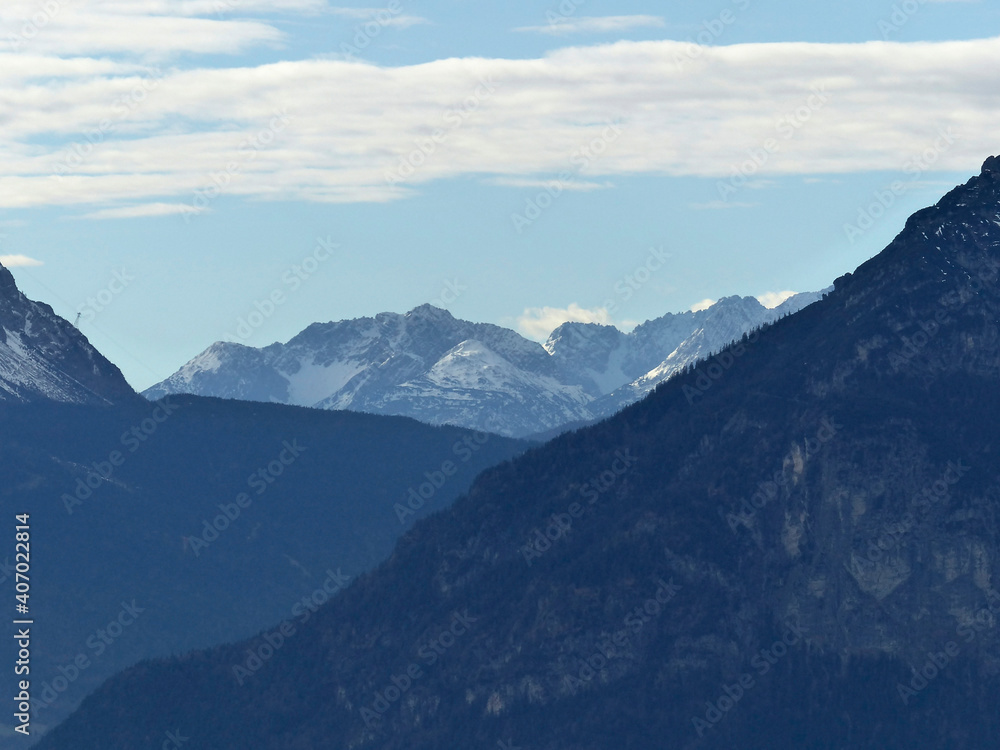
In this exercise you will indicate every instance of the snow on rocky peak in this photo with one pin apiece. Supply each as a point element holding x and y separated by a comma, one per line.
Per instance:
<point>44,357</point>
<point>429,365</point>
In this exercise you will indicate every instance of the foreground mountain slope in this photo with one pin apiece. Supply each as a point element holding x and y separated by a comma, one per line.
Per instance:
<point>794,545</point>
<point>430,366</point>
<point>42,356</point>
<point>218,519</point>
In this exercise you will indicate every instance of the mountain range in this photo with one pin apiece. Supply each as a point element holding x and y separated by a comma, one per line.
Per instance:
<point>162,527</point>
<point>428,365</point>
<point>794,543</point>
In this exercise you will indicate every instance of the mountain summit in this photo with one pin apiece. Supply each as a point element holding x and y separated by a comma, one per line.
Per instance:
<point>43,356</point>
<point>429,365</point>
<point>794,544</point>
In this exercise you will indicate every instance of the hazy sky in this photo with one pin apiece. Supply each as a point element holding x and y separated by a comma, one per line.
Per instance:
<point>167,166</point>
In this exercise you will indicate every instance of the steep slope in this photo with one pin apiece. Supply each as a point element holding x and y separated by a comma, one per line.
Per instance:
<point>604,359</point>
<point>709,331</point>
<point>42,356</point>
<point>430,366</point>
<point>795,544</point>
<point>214,518</point>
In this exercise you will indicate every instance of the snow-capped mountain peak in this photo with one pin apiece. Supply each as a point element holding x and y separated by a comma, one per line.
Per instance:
<point>429,365</point>
<point>43,356</point>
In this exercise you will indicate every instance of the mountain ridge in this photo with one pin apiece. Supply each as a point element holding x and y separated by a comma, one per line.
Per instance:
<point>43,356</point>
<point>431,366</point>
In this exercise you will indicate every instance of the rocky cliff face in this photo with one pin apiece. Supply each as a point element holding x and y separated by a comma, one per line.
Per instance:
<point>795,544</point>
<point>42,356</point>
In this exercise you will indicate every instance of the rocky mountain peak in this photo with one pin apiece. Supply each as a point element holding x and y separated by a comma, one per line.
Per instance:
<point>44,357</point>
<point>8,288</point>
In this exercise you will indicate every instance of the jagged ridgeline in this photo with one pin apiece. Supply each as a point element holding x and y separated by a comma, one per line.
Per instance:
<point>433,367</point>
<point>799,550</point>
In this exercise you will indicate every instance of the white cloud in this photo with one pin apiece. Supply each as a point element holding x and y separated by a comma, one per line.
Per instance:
<point>15,261</point>
<point>142,211</point>
<point>595,25</point>
<point>703,305</point>
<point>382,16</point>
<point>677,114</point>
<point>162,28</point>
<point>107,28</point>
<point>538,322</point>
<point>770,300</point>
<point>530,183</point>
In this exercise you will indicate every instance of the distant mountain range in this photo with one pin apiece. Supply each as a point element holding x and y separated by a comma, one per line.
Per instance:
<point>795,544</point>
<point>433,367</point>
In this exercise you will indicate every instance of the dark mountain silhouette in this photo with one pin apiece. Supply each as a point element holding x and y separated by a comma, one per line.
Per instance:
<point>793,544</point>
<point>218,520</point>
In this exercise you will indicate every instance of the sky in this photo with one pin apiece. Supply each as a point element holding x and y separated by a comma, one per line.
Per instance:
<point>179,172</point>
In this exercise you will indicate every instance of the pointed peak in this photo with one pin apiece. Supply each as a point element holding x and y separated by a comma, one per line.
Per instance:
<point>7,284</point>
<point>428,310</point>
<point>735,300</point>
<point>992,164</point>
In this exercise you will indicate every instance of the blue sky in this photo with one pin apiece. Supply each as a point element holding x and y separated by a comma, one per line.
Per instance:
<point>167,166</point>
